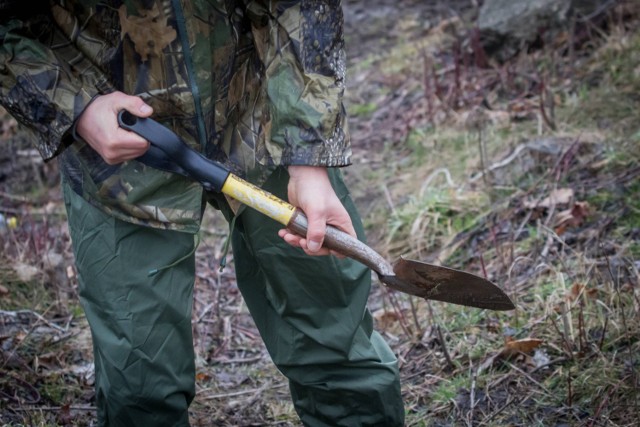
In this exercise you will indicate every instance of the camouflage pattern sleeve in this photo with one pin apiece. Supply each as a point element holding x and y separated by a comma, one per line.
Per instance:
<point>45,82</point>
<point>301,47</point>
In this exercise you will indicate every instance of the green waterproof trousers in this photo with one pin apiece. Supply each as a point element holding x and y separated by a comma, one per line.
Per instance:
<point>311,313</point>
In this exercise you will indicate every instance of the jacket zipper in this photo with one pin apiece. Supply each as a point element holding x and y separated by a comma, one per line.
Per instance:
<point>188,59</point>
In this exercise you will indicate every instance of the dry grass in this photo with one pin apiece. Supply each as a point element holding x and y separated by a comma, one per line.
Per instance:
<point>476,191</point>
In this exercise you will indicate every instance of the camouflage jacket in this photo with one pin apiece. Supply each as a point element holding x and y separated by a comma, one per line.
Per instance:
<point>252,84</point>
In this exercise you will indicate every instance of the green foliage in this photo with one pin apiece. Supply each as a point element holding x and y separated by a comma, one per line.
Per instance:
<point>363,109</point>
<point>607,98</point>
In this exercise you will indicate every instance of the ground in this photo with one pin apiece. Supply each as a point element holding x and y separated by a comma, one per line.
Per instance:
<point>524,172</point>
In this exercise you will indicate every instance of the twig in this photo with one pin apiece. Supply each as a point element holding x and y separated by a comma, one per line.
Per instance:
<point>530,378</point>
<point>54,408</point>
<point>427,86</point>
<point>597,12</point>
<point>602,404</point>
<point>616,285</point>
<point>398,310</point>
<point>604,332</point>
<point>514,155</point>
<point>499,410</point>
<point>550,363</point>
<point>444,346</point>
<point>239,361</point>
<point>243,392</point>
<point>439,332</point>
<point>569,389</point>
<point>414,314</point>
<point>432,175</point>
<point>205,311</point>
<point>568,349</point>
<point>387,196</point>
<point>472,393</point>
<point>38,316</point>
<point>22,199</point>
<point>483,157</point>
<point>567,318</point>
<point>549,121</point>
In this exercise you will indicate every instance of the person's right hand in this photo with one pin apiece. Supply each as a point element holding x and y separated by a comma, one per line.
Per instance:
<point>98,126</point>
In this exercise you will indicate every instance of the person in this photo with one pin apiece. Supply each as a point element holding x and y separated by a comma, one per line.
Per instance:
<point>256,85</point>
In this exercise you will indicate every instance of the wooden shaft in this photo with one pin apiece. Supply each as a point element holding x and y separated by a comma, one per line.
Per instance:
<point>295,220</point>
<point>339,241</point>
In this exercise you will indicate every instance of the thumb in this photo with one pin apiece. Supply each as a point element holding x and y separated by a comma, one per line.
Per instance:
<point>136,106</point>
<point>315,233</point>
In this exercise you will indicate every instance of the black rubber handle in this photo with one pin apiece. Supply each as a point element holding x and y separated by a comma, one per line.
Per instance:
<point>169,152</point>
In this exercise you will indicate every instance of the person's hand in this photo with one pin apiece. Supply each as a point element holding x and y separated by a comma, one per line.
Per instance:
<point>98,126</point>
<point>310,190</point>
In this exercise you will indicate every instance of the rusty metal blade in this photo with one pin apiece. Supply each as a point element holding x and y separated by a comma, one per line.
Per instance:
<point>445,284</point>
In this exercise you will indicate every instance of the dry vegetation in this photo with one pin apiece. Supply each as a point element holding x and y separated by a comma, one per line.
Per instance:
<point>524,171</point>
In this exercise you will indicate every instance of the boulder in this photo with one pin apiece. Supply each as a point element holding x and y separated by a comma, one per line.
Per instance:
<point>506,26</point>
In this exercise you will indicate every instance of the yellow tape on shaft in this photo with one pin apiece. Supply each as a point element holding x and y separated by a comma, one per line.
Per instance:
<point>260,200</point>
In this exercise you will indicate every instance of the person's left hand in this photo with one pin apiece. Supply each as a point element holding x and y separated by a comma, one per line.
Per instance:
<point>310,190</point>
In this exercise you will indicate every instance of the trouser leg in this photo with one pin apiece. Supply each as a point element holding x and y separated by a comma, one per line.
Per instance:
<point>312,315</point>
<point>141,325</point>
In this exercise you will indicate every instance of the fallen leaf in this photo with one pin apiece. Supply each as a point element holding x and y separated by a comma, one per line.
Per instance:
<point>578,289</point>
<point>385,319</point>
<point>203,376</point>
<point>525,345</point>
<point>513,348</point>
<point>560,196</point>
<point>573,217</point>
<point>3,290</point>
<point>575,291</point>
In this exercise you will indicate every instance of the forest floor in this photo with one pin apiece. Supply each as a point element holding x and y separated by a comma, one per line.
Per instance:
<point>526,172</point>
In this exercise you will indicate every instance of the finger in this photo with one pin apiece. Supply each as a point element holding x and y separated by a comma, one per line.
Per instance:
<point>337,254</point>
<point>300,242</point>
<point>315,233</point>
<point>290,238</point>
<point>304,243</point>
<point>135,105</point>
<point>131,141</point>
<point>125,145</point>
<point>344,225</point>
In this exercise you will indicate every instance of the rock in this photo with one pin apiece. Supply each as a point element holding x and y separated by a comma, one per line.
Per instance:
<point>506,26</point>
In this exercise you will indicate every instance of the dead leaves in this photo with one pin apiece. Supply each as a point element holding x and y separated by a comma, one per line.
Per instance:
<point>522,349</point>
<point>558,197</point>
<point>513,347</point>
<point>573,214</point>
<point>578,289</point>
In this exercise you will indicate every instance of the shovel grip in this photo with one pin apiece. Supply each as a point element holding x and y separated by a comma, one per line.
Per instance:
<point>167,148</point>
<point>339,241</point>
